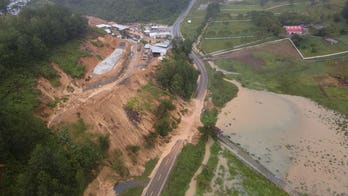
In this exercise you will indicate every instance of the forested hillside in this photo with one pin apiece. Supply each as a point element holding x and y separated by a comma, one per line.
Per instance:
<point>35,160</point>
<point>3,4</point>
<point>127,10</point>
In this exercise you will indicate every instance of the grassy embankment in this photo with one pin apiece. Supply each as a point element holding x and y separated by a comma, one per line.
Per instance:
<point>67,57</point>
<point>282,74</point>
<point>207,174</point>
<point>252,182</point>
<point>186,165</point>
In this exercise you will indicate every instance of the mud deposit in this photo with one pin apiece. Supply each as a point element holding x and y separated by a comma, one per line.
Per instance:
<point>293,137</point>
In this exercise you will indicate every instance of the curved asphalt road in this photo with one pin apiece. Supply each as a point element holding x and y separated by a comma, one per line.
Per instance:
<point>156,184</point>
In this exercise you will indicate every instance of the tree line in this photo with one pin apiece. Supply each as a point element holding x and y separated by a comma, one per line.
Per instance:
<point>35,160</point>
<point>25,38</point>
<point>177,73</point>
<point>3,5</point>
<point>128,10</point>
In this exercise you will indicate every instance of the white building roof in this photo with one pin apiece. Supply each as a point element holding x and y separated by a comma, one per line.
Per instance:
<point>164,44</point>
<point>159,50</point>
<point>160,34</point>
<point>107,31</point>
<point>147,46</point>
<point>103,26</point>
<point>159,27</point>
<point>120,27</point>
<point>156,49</point>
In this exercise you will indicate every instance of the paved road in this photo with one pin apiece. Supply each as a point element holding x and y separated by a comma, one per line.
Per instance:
<point>155,186</point>
<point>248,160</point>
<point>181,17</point>
<point>203,79</point>
<point>157,183</point>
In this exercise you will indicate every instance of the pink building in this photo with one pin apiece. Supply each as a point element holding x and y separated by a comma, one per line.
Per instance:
<point>294,30</point>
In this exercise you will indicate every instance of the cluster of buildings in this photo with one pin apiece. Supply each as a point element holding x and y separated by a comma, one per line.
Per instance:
<point>15,6</point>
<point>159,49</point>
<point>113,29</point>
<point>156,36</point>
<point>158,31</point>
<point>300,29</point>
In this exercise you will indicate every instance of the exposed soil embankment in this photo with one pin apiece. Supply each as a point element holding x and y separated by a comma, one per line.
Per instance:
<point>103,109</point>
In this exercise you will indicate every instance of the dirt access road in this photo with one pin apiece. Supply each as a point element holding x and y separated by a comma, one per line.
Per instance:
<point>99,87</point>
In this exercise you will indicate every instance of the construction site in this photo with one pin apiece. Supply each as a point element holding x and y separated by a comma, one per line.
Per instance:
<point>116,71</point>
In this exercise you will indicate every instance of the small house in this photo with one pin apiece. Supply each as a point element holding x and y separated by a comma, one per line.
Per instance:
<point>291,30</point>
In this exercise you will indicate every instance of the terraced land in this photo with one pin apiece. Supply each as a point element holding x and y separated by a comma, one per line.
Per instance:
<point>232,28</point>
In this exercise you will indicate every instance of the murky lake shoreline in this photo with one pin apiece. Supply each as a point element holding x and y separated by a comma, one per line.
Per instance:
<point>292,136</point>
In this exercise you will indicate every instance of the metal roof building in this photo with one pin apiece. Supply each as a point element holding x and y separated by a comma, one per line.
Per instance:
<point>120,27</point>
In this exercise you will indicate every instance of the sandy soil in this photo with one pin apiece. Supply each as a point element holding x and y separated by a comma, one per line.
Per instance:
<point>193,184</point>
<point>187,130</point>
<point>292,136</point>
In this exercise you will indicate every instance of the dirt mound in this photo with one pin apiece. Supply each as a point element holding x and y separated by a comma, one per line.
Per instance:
<point>92,21</point>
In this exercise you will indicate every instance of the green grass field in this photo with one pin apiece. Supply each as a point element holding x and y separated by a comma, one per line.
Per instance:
<point>282,74</point>
<point>252,182</point>
<point>207,174</point>
<point>314,45</point>
<point>230,29</point>
<point>231,24</point>
<point>186,165</point>
<point>191,30</point>
<point>226,27</point>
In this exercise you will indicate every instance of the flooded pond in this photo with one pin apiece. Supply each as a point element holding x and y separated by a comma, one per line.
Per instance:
<point>292,136</point>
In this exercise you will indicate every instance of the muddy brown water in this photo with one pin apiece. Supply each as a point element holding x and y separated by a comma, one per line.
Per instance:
<point>292,136</point>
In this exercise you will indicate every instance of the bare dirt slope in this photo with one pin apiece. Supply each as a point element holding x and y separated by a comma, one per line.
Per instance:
<point>102,109</point>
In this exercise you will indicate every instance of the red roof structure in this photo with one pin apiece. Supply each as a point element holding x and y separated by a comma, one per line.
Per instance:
<point>294,30</point>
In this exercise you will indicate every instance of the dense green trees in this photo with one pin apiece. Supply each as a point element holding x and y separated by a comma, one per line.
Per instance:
<point>35,160</point>
<point>213,10</point>
<point>266,20</point>
<point>345,12</point>
<point>3,5</point>
<point>128,10</point>
<point>25,38</point>
<point>293,18</point>
<point>164,124</point>
<point>177,74</point>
